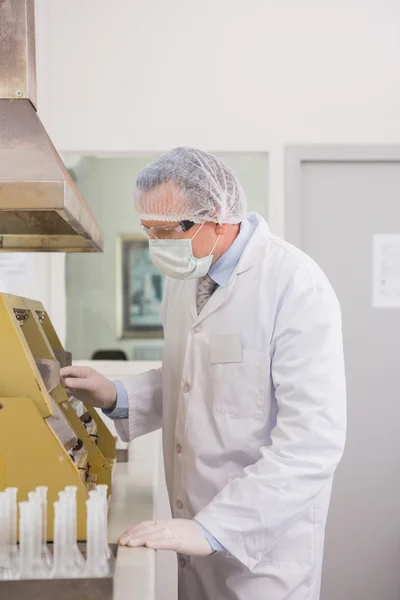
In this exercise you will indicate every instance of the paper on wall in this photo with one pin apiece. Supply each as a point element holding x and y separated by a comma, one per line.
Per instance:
<point>17,273</point>
<point>386,271</point>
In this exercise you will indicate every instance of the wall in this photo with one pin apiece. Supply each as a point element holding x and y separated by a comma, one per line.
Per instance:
<point>107,184</point>
<point>220,74</point>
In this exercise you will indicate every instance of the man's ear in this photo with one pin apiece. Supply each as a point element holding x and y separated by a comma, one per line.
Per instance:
<point>221,228</point>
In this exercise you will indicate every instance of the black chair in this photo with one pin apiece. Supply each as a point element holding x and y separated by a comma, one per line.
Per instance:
<point>109,355</point>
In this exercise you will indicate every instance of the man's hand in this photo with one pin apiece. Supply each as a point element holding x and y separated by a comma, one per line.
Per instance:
<point>180,535</point>
<point>88,385</point>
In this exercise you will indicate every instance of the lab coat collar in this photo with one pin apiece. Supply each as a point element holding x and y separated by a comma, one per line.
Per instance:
<point>251,253</point>
<point>256,244</point>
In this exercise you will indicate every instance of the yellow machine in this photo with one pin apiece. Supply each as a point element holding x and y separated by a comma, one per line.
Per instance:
<point>46,437</point>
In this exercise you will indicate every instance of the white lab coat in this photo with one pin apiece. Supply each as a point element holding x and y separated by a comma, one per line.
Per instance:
<point>251,400</point>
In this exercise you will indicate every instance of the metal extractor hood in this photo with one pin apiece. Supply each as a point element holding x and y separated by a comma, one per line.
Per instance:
<point>41,209</point>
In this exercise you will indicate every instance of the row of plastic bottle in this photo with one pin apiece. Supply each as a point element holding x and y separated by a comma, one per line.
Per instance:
<point>31,559</point>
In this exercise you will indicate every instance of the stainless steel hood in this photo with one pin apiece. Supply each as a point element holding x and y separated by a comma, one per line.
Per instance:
<point>41,208</point>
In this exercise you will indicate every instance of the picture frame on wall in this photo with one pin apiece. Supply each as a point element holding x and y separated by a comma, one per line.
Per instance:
<point>139,289</point>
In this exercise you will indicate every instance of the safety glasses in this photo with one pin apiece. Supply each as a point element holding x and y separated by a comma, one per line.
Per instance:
<point>162,232</point>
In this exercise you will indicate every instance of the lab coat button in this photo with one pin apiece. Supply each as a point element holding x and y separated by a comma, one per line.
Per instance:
<point>186,387</point>
<point>179,504</point>
<point>178,448</point>
<point>182,562</point>
<point>197,329</point>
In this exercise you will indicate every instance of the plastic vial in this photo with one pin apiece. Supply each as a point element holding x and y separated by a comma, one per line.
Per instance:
<point>13,547</point>
<point>5,563</point>
<point>102,489</point>
<point>77,557</point>
<point>25,541</point>
<point>96,560</point>
<point>12,496</point>
<point>45,553</point>
<point>37,528</point>
<point>59,558</point>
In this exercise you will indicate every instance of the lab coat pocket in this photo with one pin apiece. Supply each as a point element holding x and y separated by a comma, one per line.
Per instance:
<point>238,388</point>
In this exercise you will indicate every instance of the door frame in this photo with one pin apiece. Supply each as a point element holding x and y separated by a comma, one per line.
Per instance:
<point>297,155</point>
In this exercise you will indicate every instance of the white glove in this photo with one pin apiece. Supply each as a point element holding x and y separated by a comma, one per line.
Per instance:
<point>180,535</point>
<point>90,386</point>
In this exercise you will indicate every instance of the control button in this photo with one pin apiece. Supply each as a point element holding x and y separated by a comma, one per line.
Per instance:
<point>179,504</point>
<point>178,448</point>
<point>186,387</point>
<point>182,562</point>
<point>78,446</point>
<point>197,329</point>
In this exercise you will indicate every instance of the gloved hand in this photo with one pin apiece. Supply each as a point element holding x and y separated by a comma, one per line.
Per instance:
<point>181,535</point>
<point>90,386</point>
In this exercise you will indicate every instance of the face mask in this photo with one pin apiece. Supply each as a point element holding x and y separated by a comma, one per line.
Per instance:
<point>175,258</point>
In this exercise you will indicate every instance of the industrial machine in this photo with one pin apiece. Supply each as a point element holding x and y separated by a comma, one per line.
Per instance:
<point>46,437</point>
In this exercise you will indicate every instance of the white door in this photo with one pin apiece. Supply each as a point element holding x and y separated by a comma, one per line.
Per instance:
<point>337,198</point>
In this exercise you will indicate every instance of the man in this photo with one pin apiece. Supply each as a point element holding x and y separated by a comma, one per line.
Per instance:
<point>251,396</point>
